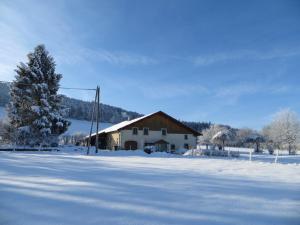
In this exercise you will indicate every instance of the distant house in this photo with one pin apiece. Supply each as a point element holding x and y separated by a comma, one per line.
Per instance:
<point>157,130</point>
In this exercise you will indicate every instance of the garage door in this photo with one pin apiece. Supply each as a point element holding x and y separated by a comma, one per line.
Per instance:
<point>130,145</point>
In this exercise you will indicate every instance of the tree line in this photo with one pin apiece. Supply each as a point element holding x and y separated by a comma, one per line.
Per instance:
<point>282,133</point>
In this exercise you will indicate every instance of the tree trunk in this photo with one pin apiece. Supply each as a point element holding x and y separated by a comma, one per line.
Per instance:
<point>290,149</point>
<point>257,147</point>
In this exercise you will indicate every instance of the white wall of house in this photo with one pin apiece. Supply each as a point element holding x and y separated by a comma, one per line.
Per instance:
<point>177,139</point>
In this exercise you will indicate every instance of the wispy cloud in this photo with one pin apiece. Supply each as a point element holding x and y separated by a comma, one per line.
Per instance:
<point>24,26</point>
<point>235,91</point>
<point>117,58</point>
<point>203,60</point>
<point>172,90</point>
<point>231,94</point>
<point>122,58</point>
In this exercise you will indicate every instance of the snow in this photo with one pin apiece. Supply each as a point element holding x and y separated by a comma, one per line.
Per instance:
<point>131,187</point>
<point>59,124</point>
<point>36,109</point>
<point>84,126</point>
<point>77,126</point>
<point>122,124</point>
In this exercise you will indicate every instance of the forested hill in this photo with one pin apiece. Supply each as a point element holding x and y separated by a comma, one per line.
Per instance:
<point>78,109</point>
<point>81,110</point>
<point>199,126</point>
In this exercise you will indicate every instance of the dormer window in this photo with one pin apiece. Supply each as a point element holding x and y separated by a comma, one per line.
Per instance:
<point>164,131</point>
<point>135,131</point>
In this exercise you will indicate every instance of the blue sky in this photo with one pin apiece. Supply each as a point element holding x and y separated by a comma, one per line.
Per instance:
<point>230,62</point>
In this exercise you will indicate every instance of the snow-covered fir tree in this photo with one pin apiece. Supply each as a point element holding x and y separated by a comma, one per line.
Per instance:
<point>35,109</point>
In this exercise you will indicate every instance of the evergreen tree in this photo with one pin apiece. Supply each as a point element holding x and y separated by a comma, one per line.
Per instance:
<point>35,109</point>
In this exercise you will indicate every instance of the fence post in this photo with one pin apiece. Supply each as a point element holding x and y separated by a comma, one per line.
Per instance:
<point>276,158</point>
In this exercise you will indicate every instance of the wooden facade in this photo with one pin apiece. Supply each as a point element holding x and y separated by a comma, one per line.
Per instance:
<point>160,120</point>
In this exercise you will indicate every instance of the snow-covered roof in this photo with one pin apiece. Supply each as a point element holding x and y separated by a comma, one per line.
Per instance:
<point>122,124</point>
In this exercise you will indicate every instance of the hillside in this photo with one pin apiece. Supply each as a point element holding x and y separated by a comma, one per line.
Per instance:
<point>77,126</point>
<point>81,110</point>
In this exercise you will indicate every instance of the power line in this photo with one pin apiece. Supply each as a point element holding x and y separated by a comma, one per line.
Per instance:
<point>86,89</point>
<point>66,88</point>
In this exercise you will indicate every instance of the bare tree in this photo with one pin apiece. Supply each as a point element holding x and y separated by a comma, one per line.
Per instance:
<point>241,135</point>
<point>284,130</point>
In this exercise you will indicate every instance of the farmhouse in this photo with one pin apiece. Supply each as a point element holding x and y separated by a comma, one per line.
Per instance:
<point>158,130</point>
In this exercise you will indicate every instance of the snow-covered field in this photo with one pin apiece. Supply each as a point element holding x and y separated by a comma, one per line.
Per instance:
<point>84,126</point>
<point>77,126</point>
<point>134,188</point>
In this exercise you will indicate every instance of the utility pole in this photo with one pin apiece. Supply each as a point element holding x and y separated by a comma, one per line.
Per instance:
<point>92,123</point>
<point>97,118</point>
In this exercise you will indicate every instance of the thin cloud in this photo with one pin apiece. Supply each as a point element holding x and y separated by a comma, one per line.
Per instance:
<point>237,90</point>
<point>204,60</point>
<point>121,58</point>
<point>82,54</point>
<point>166,91</point>
<point>231,94</point>
<point>25,26</point>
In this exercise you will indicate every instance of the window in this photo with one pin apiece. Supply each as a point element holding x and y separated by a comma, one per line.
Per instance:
<point>134,131</point>
<point>185,137</point>
<point>186,146</point>
<point>172,147</point>
<point>146,131</point>
<point>164,131</point>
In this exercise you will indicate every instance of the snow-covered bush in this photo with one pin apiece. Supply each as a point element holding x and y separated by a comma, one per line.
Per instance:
<point>74,139</point>
<point>256,139</point>
<point>223,136</point>
<point>208,134</point>
<point>211,152</point>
